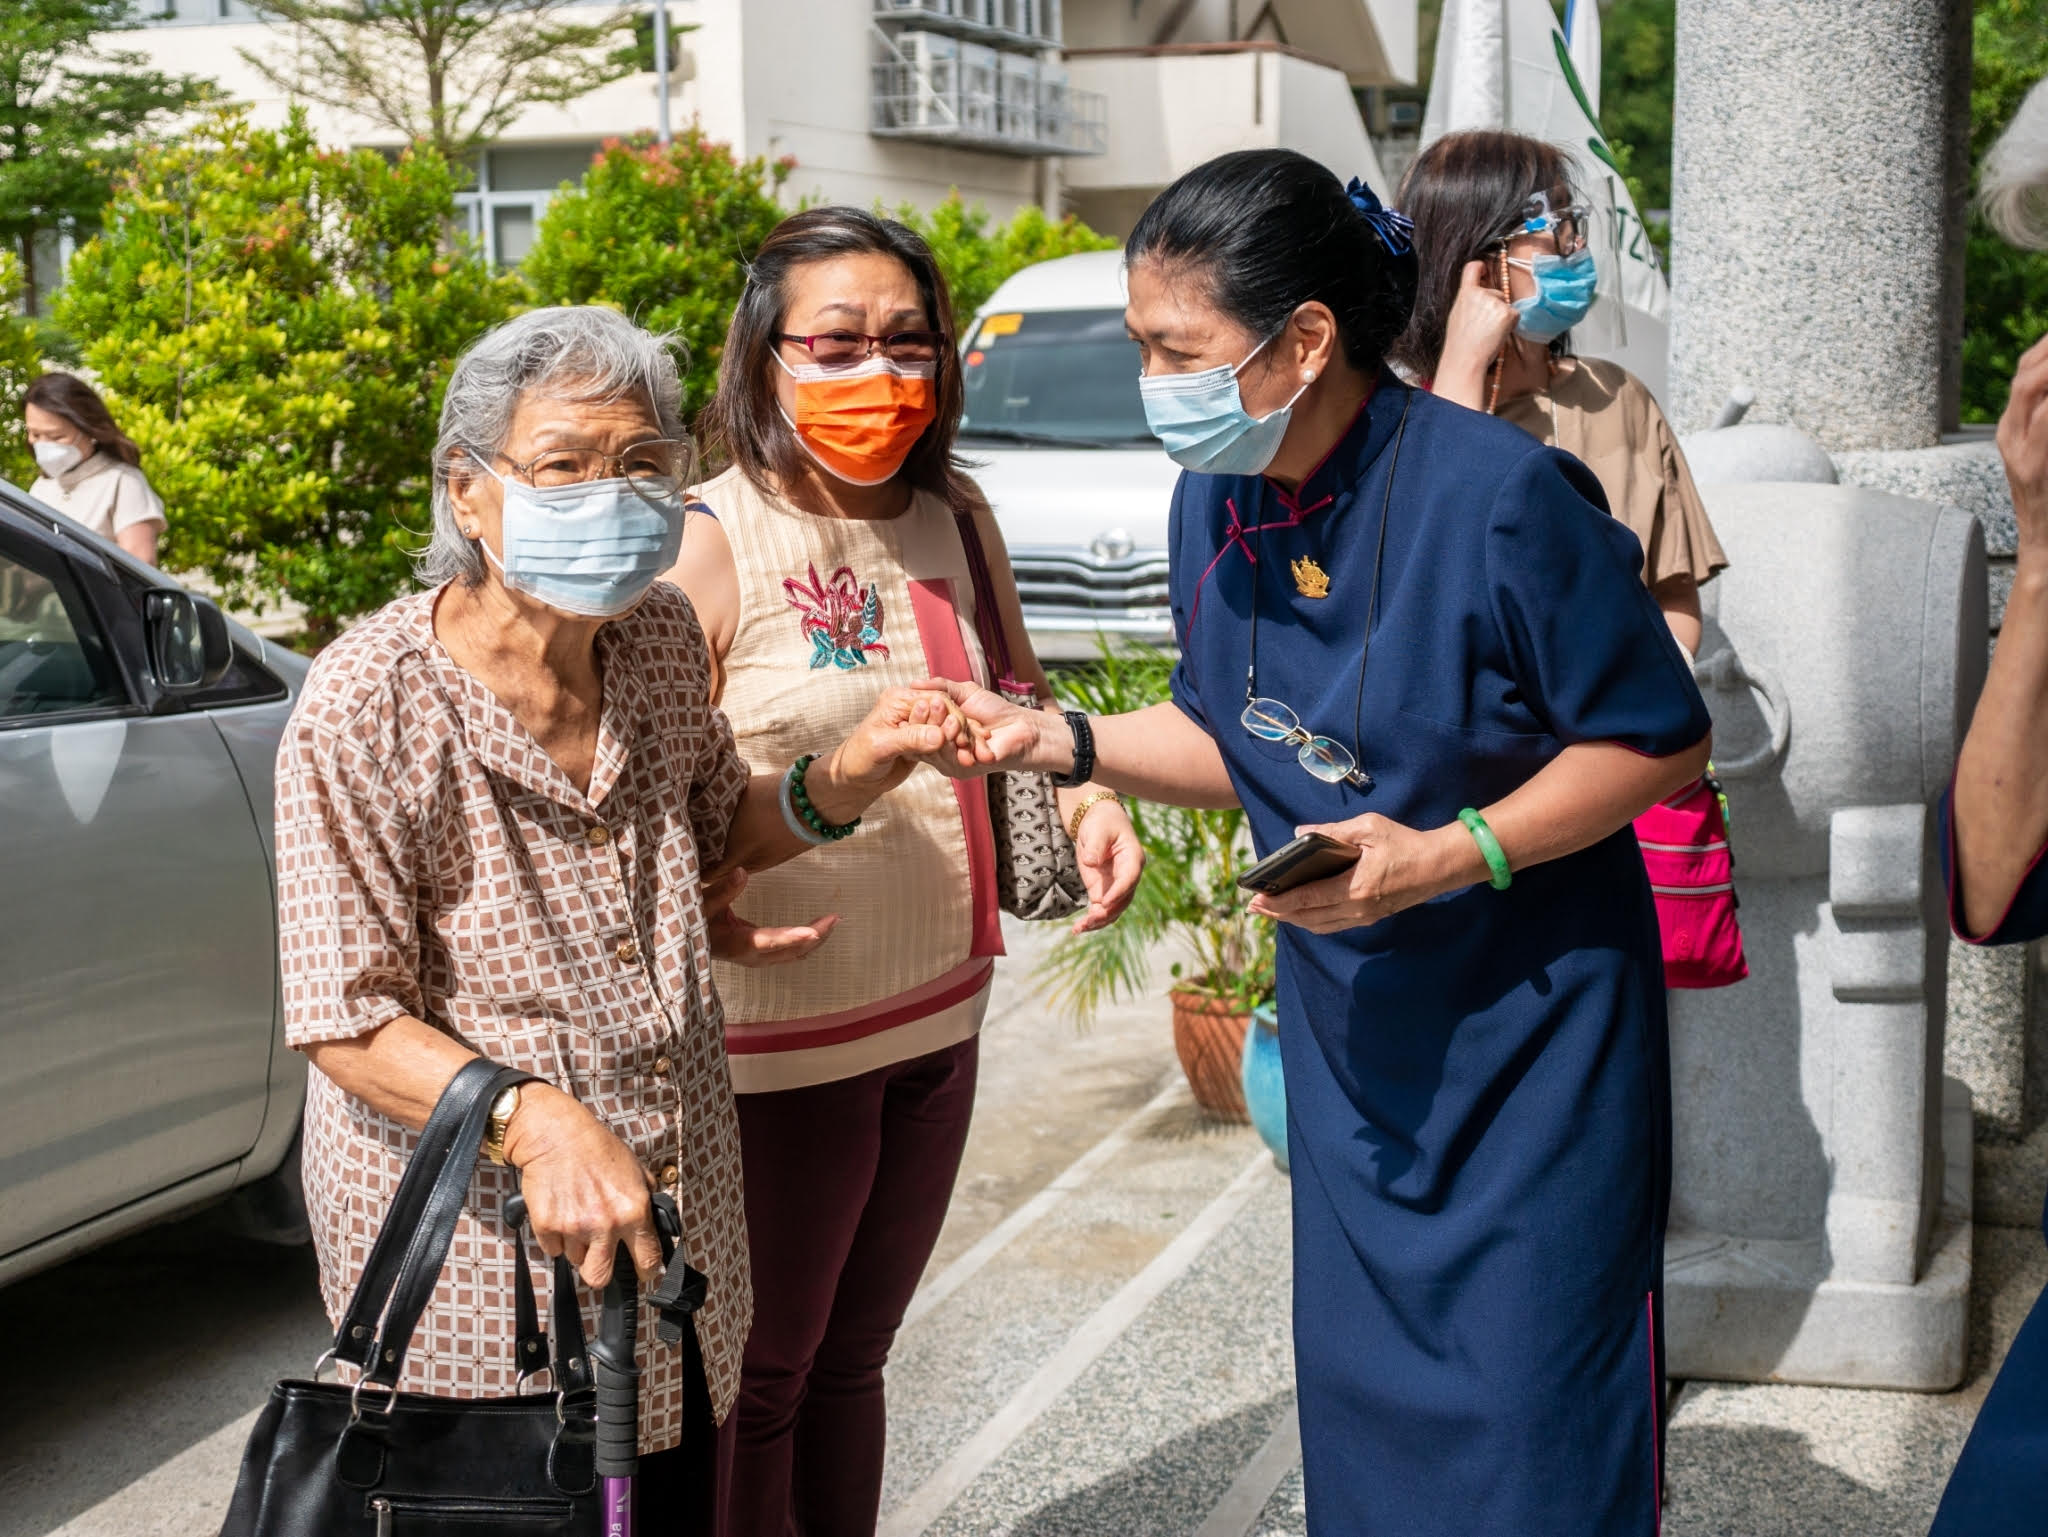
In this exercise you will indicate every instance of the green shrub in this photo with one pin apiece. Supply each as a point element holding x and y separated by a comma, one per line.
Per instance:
<point>274,323</point>
<point>20,361</point>
<point>663,235</point>
<point>976,259</point>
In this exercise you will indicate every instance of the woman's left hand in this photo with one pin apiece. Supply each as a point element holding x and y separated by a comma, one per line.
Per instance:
<point>734,939</point>
<point>1111,861</point>
<point>1397,868</point>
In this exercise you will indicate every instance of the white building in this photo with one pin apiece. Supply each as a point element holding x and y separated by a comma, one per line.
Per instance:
<point>1089,106</point>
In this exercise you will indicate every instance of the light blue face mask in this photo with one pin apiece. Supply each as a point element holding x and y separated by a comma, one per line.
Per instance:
<point>1201,420</point>
<point>593,548</point>
<point>1564,293</point>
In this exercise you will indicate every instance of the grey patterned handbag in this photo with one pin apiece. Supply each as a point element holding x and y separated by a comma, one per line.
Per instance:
<point>1037,875</point>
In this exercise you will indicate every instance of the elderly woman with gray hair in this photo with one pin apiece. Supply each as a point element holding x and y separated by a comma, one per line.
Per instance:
<point>497,806</point>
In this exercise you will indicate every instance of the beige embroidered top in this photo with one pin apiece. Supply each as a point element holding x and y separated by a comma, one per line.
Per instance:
<point>433,860</point>
<point>833,611</point>
<point>1601,412</point>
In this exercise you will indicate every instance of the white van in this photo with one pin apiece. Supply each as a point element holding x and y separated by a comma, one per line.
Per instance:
<point>1056,434</point>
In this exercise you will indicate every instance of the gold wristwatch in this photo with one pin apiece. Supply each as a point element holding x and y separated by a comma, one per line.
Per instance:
<point>502,1109</point>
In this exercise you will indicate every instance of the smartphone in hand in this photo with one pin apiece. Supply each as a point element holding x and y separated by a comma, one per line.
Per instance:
<point>1311,857</point>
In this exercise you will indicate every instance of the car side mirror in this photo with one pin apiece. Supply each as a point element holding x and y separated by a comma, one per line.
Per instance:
<point>188,640</point>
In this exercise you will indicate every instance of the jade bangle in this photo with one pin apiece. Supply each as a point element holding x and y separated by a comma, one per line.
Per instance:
<point>1489,848</point>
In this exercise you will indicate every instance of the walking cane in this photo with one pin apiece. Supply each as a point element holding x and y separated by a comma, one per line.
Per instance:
<point>615,1364</point>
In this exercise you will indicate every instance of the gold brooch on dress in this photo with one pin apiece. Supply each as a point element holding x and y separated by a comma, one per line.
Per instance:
<point>1310,579</point>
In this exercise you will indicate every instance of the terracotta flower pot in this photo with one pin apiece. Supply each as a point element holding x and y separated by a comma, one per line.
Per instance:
<point>1208,1035</point>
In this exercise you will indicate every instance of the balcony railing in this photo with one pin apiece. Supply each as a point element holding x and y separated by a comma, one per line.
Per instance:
<point>939,81</point>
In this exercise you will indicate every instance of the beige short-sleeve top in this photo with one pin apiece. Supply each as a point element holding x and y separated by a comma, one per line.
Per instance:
<point>104,493</point>
<point>1603,414</point>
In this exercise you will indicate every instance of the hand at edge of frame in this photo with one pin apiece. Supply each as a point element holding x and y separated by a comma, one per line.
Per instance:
<point>2023,446</point>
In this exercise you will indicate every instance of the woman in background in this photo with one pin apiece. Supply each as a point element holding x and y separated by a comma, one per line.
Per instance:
<point>90,466</point>
<point>1504,273</point>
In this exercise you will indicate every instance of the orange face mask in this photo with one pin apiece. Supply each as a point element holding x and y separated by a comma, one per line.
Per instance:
<point>861,423</point>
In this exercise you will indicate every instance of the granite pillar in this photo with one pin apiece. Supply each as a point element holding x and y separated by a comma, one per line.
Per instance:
<point>1816,179</point>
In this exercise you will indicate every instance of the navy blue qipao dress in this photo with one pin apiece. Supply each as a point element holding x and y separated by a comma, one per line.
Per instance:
<point>2000,1484</point>
<point>1478,1088</point>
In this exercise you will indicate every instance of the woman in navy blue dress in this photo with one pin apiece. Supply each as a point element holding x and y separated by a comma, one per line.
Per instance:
<point>1395,613</point>
<point>1995,854</point>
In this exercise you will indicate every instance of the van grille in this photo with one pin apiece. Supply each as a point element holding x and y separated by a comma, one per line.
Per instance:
<point>1071,584</point>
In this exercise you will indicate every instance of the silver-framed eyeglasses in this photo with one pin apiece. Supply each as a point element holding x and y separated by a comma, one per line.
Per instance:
<point>1329,761</point>
<point>657,459</point>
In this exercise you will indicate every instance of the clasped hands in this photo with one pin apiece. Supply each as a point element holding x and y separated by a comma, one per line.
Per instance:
<point>1398,866</point>
<point>965,732</point>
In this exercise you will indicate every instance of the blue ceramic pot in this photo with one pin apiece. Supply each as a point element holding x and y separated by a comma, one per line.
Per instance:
<point>1265,1090</point>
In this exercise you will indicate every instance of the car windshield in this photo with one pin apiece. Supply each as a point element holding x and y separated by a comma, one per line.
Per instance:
<point>1053,377</point>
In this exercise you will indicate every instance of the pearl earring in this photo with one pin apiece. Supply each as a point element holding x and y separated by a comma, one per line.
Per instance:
<point>1308,376</point>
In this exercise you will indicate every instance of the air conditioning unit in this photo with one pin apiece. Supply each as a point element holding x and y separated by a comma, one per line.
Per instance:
<point>1018,16</point>
<point>1017,97</point>
<point>923,7</point>
<point>980,86</point>
<point>1053,108</point>
<point>1049,26</point>
<point>930,97</point>
<point>980,12</point>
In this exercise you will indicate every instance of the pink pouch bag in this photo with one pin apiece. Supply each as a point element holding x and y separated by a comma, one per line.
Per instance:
<point>1692,876</point>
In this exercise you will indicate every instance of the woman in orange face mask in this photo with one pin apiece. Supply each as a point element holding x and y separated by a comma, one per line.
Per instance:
<point>829,562</point>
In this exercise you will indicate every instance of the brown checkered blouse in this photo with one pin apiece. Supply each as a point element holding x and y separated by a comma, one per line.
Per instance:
<point>433,860</point>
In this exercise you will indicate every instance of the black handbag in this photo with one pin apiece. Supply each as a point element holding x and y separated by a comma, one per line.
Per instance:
<point>331,1460</point>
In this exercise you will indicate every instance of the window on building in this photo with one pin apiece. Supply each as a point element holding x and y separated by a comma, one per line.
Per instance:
<point>511,192</point>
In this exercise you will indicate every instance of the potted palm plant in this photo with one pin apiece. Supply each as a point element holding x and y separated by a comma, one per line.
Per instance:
<point>1189,897</point>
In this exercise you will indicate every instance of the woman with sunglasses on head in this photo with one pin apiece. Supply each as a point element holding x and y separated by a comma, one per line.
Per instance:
<point>1504,273</point>
<point>1413,630</point>
<point>833,563</point>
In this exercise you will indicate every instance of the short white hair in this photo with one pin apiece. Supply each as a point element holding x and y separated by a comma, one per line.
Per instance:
<point>570,352</point>
<point>2014,186</point>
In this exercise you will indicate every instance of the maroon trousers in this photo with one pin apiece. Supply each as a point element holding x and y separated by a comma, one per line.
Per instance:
<point>847,1185</point>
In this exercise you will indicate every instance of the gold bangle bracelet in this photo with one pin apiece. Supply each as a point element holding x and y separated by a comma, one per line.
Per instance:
<point>1088,803</point>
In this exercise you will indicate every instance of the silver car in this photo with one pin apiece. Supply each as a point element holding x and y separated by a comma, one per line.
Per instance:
<point>143,1070</point>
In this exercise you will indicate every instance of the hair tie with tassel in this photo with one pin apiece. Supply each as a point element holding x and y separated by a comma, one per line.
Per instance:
<point>1395,229</point>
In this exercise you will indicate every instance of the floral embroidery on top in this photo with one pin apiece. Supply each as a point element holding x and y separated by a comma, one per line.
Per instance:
<point>841,619</point>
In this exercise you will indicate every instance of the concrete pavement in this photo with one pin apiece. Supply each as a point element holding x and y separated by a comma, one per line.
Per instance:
<point>1101,1345</point>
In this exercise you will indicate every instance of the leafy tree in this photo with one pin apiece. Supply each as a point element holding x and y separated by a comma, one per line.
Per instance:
<point>20,361</point>
<point>274,324</point>
<point>977,258</point>
<point>1638,62</point>
<point>2005,291</point>
<point>452,73</point>
<point>69,108</point>
<point>663,234</point>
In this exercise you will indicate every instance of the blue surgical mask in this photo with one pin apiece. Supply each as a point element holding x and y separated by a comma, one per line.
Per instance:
<point>593,548</point>
<point>1564,293</point>
<point>1201,420</point>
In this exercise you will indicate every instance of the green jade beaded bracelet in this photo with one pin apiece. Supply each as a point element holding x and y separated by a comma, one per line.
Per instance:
<point>813,819</point>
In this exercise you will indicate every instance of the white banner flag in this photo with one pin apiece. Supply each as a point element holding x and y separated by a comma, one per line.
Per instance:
<point>1506,64</point>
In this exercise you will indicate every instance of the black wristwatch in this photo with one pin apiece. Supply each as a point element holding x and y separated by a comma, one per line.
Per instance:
<point>1084,752</point>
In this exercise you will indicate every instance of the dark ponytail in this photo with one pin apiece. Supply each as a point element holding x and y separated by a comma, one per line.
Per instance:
<point>1269,230</point>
